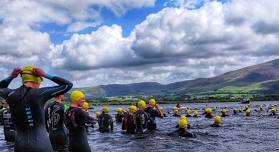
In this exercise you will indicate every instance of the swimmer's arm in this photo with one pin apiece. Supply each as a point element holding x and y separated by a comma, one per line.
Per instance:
<point>5,83</point>
<point>46,118</point>
<point>4,91</point>
<point>50,92</point>
<point>156,113</point>
<point>87,118</point>
<point>111,124</point>
<point>124,124</point>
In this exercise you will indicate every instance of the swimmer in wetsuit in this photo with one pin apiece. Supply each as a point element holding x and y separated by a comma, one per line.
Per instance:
<point>8,125</point>
<point>128,123</point>
<point>176,113</point>
<point>153,111</point>
<point>75,120</point>
<point>120,115</point>
<point>54,114</point>
<point>141,118</point>
<point>182,128</point>
<point>105,121</point>
<point>217,121</point>
<point>27,107</point>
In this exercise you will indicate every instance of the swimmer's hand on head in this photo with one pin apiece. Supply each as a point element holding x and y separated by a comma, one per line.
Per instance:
<point>15,73</point>
<point>39,72</point>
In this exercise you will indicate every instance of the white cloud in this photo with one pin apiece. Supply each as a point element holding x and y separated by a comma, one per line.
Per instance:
<point>194,34</point>
<point>104,48</point>
<point>19,20</point>
<point>171,45</point>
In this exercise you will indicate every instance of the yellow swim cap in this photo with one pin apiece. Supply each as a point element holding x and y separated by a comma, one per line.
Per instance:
<point>273,110</point>
<point>119,110</point>
<point>224,110</point>
<point>188,112</point>
<point>183,117</point>
<point>85,105</point>
<point>76,96</point>
<point>132,108</point>
<point>98,114</point>
<point>175,111</point>
<point>152,102</point>
<point>208,110</point>
<point>196,113</point>
<point>217,120</point>
<point>182,123</point>
<point>105,109</point>
<point>27,75</point>
<point>141,104</point>
<point>248,110</point>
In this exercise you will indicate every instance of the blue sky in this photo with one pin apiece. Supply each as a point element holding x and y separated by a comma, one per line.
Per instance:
<point>127,21</point>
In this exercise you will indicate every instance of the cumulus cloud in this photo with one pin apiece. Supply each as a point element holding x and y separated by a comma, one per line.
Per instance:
<point>174,44</point>
<point>104,48</point>
<point>200,33</point>
<point>20,39</point>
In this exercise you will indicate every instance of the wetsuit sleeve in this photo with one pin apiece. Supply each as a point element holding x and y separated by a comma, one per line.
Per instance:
<point>46,117</point>
<point>152,112</point>
<point>85,117</point>
<point>111,124</point>
<point>4,91</point>
<point>89,119</point>
<point>5,83</point>
<point>124,124</point>
<point>50,92</point>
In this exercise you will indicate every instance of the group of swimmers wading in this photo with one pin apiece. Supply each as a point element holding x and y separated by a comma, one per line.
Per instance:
<point>37,126</point>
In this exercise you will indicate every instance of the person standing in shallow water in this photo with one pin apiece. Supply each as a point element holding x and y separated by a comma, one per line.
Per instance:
<point>27,107</point>
<point>75,120</point>
<point>128,123</point>
<point>153,110</point>
<point>105,121</point>
<point>8,125</point>
<point>54,114</point>
<point>120,115</point>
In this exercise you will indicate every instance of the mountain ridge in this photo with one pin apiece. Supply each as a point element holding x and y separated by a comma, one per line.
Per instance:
<point>265,74</point>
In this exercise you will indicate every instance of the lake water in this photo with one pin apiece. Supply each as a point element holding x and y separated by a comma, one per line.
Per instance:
<point>238,133</point>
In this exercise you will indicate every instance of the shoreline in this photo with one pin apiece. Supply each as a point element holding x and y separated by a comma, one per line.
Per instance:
<point>171,102</point>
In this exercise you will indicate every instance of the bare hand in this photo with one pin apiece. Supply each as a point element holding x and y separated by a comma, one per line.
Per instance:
<point>39,72</point>
<point>15,72</point>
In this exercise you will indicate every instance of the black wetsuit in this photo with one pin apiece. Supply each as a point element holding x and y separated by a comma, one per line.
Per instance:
<point>105,123</point>
<point>9,129</point>
<point>176,115</point>
<point>1,113</point>
<point>27,108</point>
<point>215,125</point>
<point>141,118</point>
<point>224,114</point>
<point>87,125</point>
<point>119,117</point>
<point>129,124</point>
<point>151,125</point>
<point>208,115</point>
<point>54,114</point>
<point>184,133</point>
<point>75,119</point>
